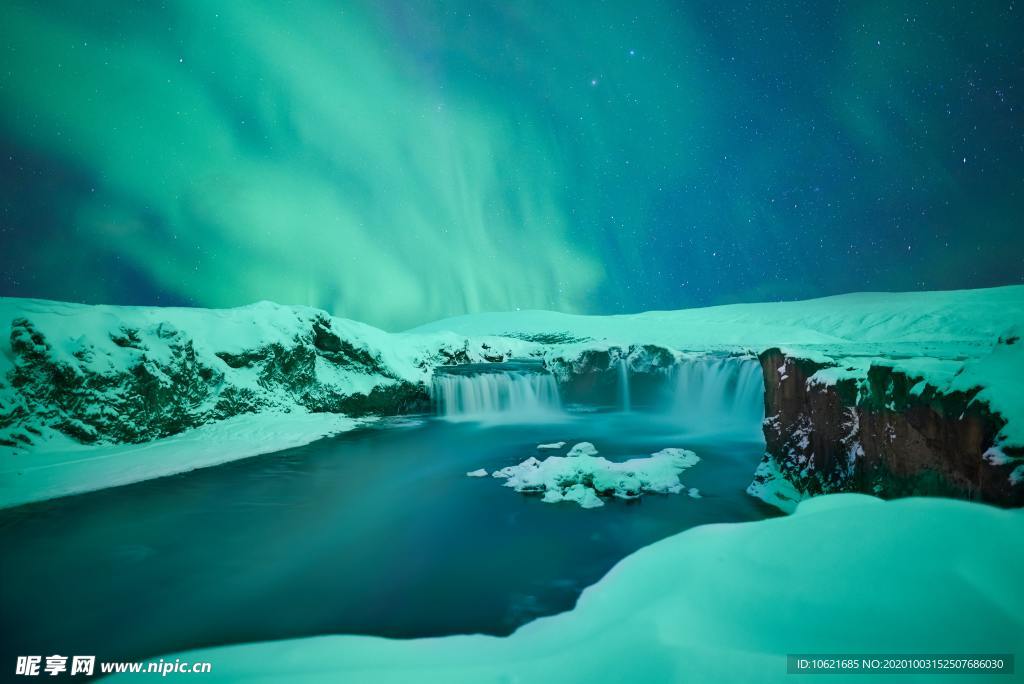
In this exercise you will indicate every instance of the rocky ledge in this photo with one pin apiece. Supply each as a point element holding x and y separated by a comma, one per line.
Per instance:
<point>887,432</point>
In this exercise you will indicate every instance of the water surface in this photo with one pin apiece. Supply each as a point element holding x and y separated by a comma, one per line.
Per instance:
<point>378,532</point>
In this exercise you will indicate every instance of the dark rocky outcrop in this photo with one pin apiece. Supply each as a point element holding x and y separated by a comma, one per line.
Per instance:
<point>592,376</point>
<point>874,435</point>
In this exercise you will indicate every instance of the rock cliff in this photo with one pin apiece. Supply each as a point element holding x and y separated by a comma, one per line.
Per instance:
<point>887,432</point>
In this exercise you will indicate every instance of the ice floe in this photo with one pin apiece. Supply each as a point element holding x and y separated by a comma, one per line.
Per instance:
<point>584,478</point>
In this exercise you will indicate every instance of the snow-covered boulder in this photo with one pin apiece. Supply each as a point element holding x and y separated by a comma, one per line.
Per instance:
<point>583,478</point>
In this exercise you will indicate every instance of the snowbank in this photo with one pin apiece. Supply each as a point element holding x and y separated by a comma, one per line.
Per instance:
<point>724,603</point>
<point>68,468</point>
<point>584,478</point>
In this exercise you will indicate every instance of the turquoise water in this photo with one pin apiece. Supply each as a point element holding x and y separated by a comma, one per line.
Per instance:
<point>378,531</point>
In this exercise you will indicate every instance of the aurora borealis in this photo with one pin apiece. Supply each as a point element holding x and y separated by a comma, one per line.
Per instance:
<point>395,162</point>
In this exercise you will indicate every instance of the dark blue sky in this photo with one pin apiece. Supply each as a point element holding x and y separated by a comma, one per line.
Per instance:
<point>397,162</point>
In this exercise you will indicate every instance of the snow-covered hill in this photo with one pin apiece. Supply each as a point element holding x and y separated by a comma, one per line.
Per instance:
<point>108,374</point>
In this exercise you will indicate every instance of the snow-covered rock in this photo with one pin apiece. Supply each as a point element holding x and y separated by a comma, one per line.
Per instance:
<point>583,478</point>
<point>917,426</point>
<point>582,449</point>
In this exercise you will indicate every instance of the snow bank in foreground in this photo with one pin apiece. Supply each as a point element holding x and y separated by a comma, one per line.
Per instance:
<point>724,603</point>
<point>73,468</point>
<point>584,478</point>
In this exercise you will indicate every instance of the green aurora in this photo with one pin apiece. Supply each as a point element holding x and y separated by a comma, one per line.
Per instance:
<point>398,162</point>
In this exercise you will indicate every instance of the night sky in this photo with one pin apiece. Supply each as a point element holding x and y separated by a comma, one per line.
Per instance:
<point>400,161</point>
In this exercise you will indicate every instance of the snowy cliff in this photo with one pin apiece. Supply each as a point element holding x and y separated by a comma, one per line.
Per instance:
<point>106,374</point>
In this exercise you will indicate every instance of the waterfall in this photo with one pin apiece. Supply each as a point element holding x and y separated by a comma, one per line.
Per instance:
<point>623,386</point>
<point>503,395</point>
<point>719,393</point>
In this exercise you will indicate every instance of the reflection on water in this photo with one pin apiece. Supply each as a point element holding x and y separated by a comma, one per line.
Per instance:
<point>373,532</point>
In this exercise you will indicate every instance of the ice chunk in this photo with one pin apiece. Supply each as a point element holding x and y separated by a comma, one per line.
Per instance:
<point>583,449</point>
<point>553,445</point>
<point>585,478</point>
<point>480,472</point>
<point>686,457</point>
<point>512,470</point>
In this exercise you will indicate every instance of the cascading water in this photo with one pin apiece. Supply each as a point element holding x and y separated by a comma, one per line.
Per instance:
<point>496,392</point>
<point>712,394</point>
<point>624,402</point>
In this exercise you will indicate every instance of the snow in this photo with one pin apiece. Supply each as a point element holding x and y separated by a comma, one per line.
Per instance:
<point>958,317</point>
<point>479,472</point>
<point>770,486</point>
<point>582,449</point>
<point>63,467</point>
<point>1001,377</point>
<point>723,603</point>
<point>582,477</point>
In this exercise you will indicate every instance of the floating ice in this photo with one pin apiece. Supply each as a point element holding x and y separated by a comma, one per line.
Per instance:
<point>584,478</point>
<point>477,473</point>
<point>583,449</point>
<point>553,445</point>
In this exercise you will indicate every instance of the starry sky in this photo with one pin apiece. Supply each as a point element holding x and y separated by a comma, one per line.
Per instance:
<point>396,162</point>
